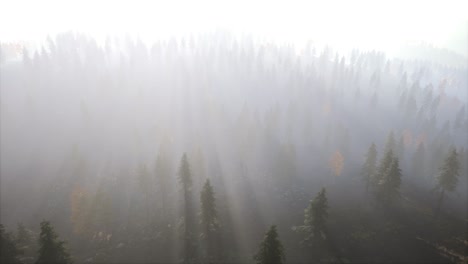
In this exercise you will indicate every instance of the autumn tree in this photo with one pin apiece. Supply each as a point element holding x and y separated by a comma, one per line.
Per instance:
<point>271,250</point>
<point>189,243</point>
<point>369,168</point>
<point>209,220</point>
<point>51,250</point>
<point>336,163</point>
<point>9,252</point>
<point>448,176</point>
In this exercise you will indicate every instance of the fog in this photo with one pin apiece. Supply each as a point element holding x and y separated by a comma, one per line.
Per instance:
<point>96,117</point>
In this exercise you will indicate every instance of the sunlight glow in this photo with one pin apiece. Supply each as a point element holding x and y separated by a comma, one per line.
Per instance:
<point>376,24</point>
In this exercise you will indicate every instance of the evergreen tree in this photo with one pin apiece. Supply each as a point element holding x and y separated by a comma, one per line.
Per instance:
<point>209,219</point>
<point>369,168</point>
<point>389,184</point>
<point>315,217</point>
<point>9,252</point>
<point>146,184</point>
<point>448,177</point>
<point>383,167</point>
<point>51,250</point>
<point>163,179</point>
<point>271,250</point>
<point>23,236</point>
<point>418,161</point>
<point>390,144</point>
<point>189,244</point>
<point>401,148</point>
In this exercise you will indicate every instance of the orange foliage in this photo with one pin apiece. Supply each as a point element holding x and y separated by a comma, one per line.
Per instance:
<point>336,163</point>
<point>407,137</point>
<point>420,139</point>
<point>78,209</point>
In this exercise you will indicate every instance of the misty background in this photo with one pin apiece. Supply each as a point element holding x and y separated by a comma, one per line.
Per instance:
<point>97,110</point>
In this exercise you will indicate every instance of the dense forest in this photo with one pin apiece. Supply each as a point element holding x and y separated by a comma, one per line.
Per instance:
<point>219,148</point>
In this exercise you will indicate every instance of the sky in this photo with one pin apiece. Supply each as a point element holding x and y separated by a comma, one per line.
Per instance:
<point>363,23</point>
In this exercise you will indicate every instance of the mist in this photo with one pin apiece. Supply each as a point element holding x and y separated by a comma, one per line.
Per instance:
<point>205,142</point>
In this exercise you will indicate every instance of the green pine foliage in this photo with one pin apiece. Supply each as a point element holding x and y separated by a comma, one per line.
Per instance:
<point>448,177</point>
<point>389,185</point>
<point>271,250</point>
<point>369,168</point>
<point>189,248</point>
<point>315,219</point>
<point>51,249</point>
<point>9,252</point>
<point>209,220</point>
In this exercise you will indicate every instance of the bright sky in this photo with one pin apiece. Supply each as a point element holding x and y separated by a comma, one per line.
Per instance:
<point>363,23</point>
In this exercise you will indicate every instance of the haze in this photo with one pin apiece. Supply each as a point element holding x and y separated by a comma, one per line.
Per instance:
<point>233,132</point>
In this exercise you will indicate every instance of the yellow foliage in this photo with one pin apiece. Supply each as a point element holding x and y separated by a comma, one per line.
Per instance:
<point>336,163</point>
<point>78,209</point>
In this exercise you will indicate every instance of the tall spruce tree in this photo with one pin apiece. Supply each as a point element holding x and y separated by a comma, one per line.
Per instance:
<point>384,165</point>
<point>271,250</point>
<point>51,250</point>
<point>389,184</point>
<point>369,169</point>
<point>391,143</point>
<point>418,163</point>
<point>9,252</point>
<point>315,218</point>
<point>209,221</point>
<point>189,243</point>
<point>448,177</point>
<point>22,236</point>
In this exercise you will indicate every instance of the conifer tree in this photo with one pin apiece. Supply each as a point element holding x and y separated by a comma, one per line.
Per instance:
<point>189,243</point>
<point>209,219</point>
<point>389,184</point>
<point>418,161</point>
<point>369,168</point>
<point>383,167</point>
<point>315,217</point>
<point>400,149</point>
<point>51,250</point>
<point>448,177</point>
<point>23,236</point>
<point>390,144</point>
<point>271,250</point>
<point>9,252</point>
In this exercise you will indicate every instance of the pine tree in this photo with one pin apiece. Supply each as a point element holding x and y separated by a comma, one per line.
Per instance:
<point>390,144</point>
<point>209,219</point>
<point>448,177</point>
<point>23,236</point>
<point>189,244</point>
<point>9,252</point>
<point>369,168</point>
<point>51,250</point>
<point>418,161</point>
<point>145,183</point>
<point>271,250</point>
<point>315,217</point>
<point>401,148</point>
<point>389,184</point>
<point>383,167</point>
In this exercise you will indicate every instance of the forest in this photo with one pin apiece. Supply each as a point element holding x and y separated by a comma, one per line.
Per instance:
<point>225,148</point>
